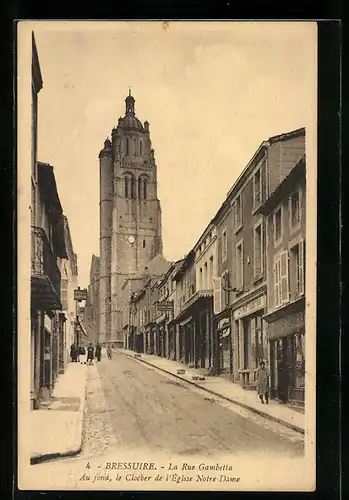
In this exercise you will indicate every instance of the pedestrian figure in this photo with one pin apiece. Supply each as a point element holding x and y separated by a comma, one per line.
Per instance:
<point>82,355</point>
<point>98,351</point>
<point>73,353</point>
<point>90,351</point>
<point>262,382</point>
<point>109,352</point>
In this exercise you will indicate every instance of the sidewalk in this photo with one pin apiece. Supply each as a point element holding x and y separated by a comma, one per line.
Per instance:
<point>56,428</point>
<point>225,389</point>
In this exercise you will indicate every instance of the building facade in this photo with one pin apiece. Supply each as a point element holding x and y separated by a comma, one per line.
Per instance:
<point>69,282</point>
<point>285,214</point>
<point>92,302</point>
<point>47,248</point>
<point>130,217</point>
<point>234,301</point>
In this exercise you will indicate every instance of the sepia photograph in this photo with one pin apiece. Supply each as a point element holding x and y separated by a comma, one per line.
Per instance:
<point>167,231</point>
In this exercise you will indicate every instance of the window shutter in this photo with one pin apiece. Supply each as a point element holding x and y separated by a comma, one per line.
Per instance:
<point>284,281</point>
<point>301,267</point>
<point>276,283</point>
<point>242,266</point>
<point>217,296</point>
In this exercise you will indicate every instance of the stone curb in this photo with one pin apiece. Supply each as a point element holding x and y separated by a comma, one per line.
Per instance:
<point>72,452</point>
<point>231,400</point>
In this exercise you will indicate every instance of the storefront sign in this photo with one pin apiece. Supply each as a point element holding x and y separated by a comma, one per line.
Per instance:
<point>165,305</point>
<point>294,323</point>
<point>251,307</point>
<point>80,294</point>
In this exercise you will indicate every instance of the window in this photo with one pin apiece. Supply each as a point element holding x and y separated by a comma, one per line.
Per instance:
<point>64,294</point>
<point>200,279</point>
<point>277,226</point>
<point>129,186</point>
<point>211,274</point>
<point>133,190</point>
<point>295,210</point>
<point>205,277</point>
<point>239,265</point>
<point>143,243</point>
<point>134,147</point>
<point>257,251</point>
<point>224,245</point>
<point>127,144</point>
<point>142,188</point>
<point>281,279</point>
<point>257,189</point>
<point>297,274</point>
<point>140,148</point>
<point>225,293</point>
<point>238,212</point>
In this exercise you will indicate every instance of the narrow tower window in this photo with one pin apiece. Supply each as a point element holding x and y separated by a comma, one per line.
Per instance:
<point>140,188</point>
<point>133,194</point>
<point>140,148</point>
<point>134,147</point>
<point>126,187</point>
<point>143,243</point>
<point>127,146</point>
<point>145,189</point>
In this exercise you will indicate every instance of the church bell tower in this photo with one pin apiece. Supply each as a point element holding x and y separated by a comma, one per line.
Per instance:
<point>130,216</point>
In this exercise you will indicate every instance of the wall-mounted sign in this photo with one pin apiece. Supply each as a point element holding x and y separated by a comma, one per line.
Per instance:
<point>294,323</point>
<point>165,305</point>
<point>80,294</point>
<point>251,307</point>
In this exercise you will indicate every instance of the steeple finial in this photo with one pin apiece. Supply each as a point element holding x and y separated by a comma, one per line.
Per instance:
<point>129,90</point>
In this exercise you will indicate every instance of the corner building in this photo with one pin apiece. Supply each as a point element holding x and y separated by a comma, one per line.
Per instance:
<point>130,217</point>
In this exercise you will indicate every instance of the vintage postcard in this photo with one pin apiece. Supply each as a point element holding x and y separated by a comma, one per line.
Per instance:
<point>167,177</point>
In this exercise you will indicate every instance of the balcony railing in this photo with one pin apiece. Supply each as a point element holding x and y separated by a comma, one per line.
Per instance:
<point>46,277</point>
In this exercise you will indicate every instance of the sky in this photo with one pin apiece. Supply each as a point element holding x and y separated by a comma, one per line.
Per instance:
<point>212,92</point>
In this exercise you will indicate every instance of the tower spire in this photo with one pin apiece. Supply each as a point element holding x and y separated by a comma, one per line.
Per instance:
<point>130,103</point>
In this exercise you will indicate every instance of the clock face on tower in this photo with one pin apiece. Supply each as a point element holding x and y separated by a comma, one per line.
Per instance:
<point>131,239</point>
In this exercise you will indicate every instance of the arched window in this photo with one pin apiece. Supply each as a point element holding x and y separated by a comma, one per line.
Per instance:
<point>134,147</point>
<point>133,193</point>
<point>126,187</point>
<point>140,188</point>
<point>145,189</point>
<point>140,148</point>
<point>127,146</point>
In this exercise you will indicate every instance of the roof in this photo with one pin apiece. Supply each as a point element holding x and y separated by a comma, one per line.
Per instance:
<point>48,189</point>
<point>49,195</point>
<point>69,246</point>
<point>130,122</point>
<point>282,190</point>
<point>183,266</point>
<point>36,71</point>
<point>158,265</point>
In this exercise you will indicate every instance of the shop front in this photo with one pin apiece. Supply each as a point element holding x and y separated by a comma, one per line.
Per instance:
<point>286,330</point>
<point>250,339</point>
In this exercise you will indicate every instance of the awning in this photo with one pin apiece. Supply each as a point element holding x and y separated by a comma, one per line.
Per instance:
<point>182,323</point>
